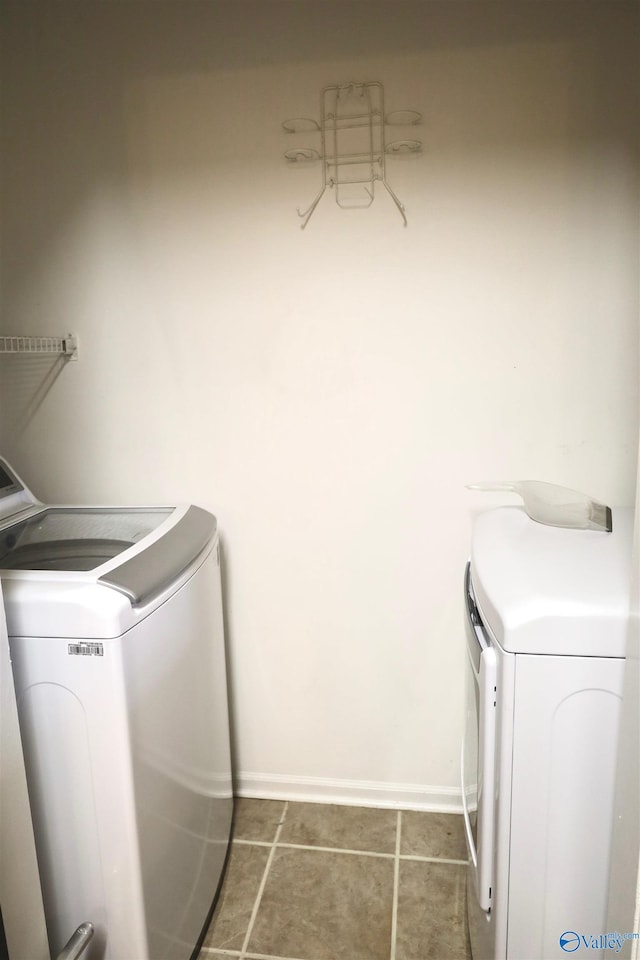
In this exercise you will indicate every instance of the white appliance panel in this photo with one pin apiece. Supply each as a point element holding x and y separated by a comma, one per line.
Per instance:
<point>20,895</point>
<point>77,755</point>
<point>120,764</point>
<point>120,680</point>
<point>174,679</point>
<point>479,754</point>
<point>488,929</point>
<point>555,734</point>
<point>564,752</point>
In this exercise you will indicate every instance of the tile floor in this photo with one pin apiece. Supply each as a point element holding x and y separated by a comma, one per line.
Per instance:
<point>310,881</point>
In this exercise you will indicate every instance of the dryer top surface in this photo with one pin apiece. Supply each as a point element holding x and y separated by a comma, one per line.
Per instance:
<point>551,590</point>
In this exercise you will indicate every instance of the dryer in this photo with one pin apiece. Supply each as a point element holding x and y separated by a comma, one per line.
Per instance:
<point>546,611</point>
<point>115,626</point>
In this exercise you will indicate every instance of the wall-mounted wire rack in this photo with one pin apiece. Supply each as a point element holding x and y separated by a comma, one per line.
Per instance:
<point>353,145</point>
<point>66,347</point>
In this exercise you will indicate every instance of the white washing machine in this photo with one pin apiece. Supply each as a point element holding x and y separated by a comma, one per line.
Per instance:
<point>116,637</point>
<point>547,611</point>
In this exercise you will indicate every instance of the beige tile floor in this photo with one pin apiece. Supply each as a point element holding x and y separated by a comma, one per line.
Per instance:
<point>310,881</point>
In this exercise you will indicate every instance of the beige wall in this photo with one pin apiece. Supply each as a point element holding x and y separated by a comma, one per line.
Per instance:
<point>326,393</point>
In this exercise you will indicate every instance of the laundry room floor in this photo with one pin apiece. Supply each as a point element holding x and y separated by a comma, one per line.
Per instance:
<point>310,881</point>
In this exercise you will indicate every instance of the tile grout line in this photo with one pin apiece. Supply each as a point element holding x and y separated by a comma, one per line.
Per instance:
<point>396,880</point>
<point>358,853</point>
<point>352,853</point>
<point>263,882</point>
<point>311,846</point>
<point>218,952</point>
<point>268,956</point>
<point>417,859</point>
<point>215,951</point>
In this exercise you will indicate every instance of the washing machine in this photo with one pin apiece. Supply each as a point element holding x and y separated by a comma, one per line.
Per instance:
<point>116,638</point>
<point>546,620</point>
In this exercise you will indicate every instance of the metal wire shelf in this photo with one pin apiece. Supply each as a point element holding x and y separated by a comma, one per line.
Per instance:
<point>353,146</point>
<point>66,347</point>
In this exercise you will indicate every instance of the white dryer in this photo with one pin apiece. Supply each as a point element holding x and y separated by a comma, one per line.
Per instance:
<point>116,637</point>
<point>547,612</point>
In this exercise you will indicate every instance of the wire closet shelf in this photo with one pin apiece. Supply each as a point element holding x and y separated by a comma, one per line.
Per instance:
<point>66,347</point>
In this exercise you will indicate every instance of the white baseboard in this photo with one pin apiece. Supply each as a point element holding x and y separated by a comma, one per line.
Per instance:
<point>361,793</point>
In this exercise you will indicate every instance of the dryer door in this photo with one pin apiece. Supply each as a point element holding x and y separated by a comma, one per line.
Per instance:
<point>479,749</point>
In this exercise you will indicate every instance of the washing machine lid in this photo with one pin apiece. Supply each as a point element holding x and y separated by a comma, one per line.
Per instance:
<point>92,571</point>
<point>66,538</point>
<point>75,538</point>
<point>550,590</point>
<point>50,593</point>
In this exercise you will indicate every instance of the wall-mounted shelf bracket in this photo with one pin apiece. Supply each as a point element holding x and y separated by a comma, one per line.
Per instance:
<point>66,347</point>
<point>353,146</point>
